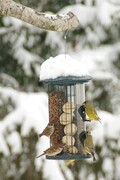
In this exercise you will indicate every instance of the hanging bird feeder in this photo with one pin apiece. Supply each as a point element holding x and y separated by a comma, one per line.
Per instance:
<point>65,78</point>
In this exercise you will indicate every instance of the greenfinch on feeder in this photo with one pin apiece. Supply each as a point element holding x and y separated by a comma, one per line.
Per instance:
<point>82,137</point>
<point>48,131</point>
<point>91,112</point>
<point>82,112</point>
<point>53,150</point>
<point>89,146</point>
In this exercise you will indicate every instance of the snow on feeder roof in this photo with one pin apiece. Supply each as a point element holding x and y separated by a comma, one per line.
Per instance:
<point>63,69</point>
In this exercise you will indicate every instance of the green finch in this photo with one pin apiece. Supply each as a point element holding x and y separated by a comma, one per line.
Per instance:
<point>90,111</point>
<point>89,146</point>
<point>82,112</point>
<point>82,137</point>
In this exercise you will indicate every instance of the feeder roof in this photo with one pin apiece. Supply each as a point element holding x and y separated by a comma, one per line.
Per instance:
<point>63,69</point>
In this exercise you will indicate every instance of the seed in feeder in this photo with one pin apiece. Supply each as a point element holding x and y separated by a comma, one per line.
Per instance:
<point>69,107</point>
<point>68,140</point>
<point>65,118</point>
<point>70,129</point>
<point>73,150</point>
<point>56,101</point>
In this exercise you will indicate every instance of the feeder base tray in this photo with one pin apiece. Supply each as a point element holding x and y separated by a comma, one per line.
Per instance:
<point>69,156</point>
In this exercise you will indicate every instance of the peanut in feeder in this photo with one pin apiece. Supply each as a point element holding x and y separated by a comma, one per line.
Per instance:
<point>66,80</point>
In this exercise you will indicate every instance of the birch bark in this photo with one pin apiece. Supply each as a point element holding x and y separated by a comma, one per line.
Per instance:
<point>60,22</point>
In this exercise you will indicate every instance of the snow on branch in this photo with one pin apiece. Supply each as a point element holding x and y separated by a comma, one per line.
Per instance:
<point>45,21</point>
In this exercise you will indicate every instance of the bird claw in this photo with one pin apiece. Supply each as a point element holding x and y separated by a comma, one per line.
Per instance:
<point>94,159</point>
<point>88,120</point>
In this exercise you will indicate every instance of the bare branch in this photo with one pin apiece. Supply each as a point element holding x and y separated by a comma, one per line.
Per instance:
<point>42,20</point>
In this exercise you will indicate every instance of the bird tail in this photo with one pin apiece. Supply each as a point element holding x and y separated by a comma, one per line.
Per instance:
<point>39,135</point>
<point>39,155</point>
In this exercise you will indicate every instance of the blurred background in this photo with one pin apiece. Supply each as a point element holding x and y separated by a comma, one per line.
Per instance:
<point>23,98</point>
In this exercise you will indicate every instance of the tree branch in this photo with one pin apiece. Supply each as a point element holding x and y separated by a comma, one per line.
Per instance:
<point>42,20</point>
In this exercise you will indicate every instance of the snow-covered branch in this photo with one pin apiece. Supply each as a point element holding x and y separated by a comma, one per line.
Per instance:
<point>45,21</point>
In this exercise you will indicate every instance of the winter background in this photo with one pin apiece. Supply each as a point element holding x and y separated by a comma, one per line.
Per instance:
<point>24,102</point>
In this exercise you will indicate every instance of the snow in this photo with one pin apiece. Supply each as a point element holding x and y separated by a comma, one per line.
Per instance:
<point>56,165</point>
<point>108,128</point>
<point>62,65</point>
<point>13,140</point>
<point>31,112</point>
<point>99,61</point>
<point>3,146</point>
<point>118,166</point>
<point>103,11</point>
<point>108,167</point>
<point>57,40</point>
<point>15,22</point>
<point>104,76</point>
<point>24,57</point>
<point>52,165</point>
<point>8,80</point>
<point>86,15</point>
<point>53,16</point>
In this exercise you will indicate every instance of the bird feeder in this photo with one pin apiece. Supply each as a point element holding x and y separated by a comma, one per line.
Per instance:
<point>65,78</point>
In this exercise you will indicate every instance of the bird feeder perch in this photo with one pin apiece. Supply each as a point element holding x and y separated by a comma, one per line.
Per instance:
<point>65,78</point>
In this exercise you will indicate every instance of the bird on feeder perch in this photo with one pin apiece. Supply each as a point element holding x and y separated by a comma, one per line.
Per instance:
<point>82,112</point>
<point>83,136</point>
<point>53,150</point>
<point>91,112</point>
<point>89,146</point>
<point>87,142</point>
<point>88,109</point>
